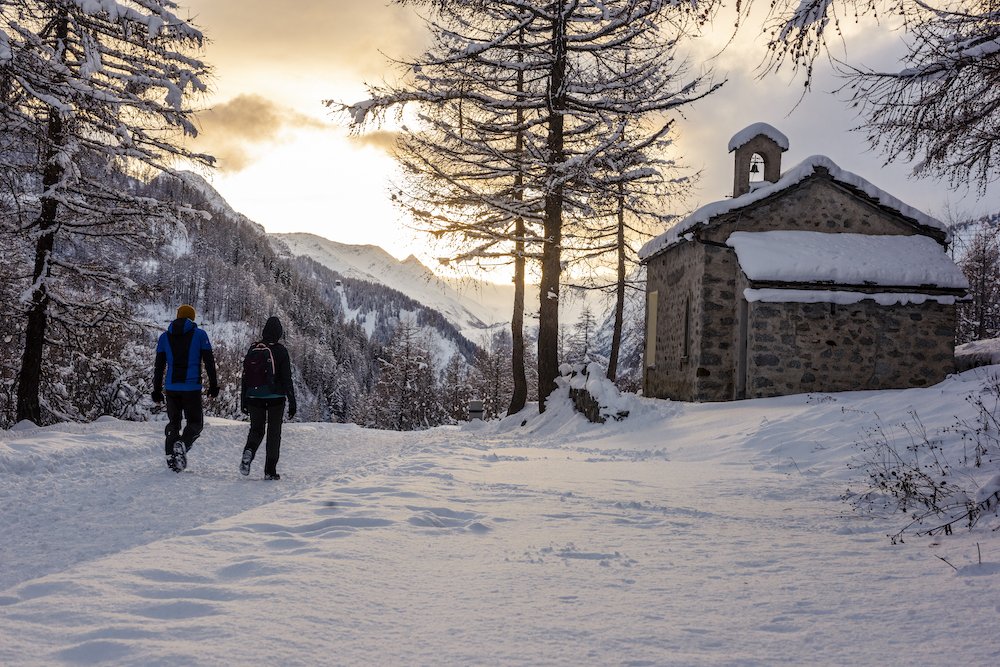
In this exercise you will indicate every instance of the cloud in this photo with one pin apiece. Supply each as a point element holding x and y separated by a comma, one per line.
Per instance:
<point>230,130</point>
<point>336,37</point>
<point>381,139</point>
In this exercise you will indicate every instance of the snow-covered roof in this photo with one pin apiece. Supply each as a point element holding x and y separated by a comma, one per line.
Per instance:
<point>845,259</point>
<point>791,177</point>
<point>842,297</point>
<point>751,131</point>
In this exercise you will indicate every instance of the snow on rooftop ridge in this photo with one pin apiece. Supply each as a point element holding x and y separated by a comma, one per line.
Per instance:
<point>846,259</point>
<point>751,131</point>
<point>842,298</point>
<point>791,177</point>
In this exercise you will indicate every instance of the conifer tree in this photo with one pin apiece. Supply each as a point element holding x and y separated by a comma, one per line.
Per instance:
<point>491,378</point>
<point>406,392</point>
<point>456,389</point>
<point>940,108</point>
<point>99,89</point>
<point>581,345</point>
<point>979,317</point>
<point>517,112</point>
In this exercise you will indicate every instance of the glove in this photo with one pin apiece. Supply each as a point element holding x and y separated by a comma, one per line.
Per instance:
<point>213,391</point>
<point>291,411</point>
<point>244,409</point>
<point>157,396</point>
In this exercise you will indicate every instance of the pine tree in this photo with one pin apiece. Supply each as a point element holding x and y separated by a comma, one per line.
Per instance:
<point>99,89</point>
<point>979,317</point>
<point>518,112</point>
<point>405,395</point>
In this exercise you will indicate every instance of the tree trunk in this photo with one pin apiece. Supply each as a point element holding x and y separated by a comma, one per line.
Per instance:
<point>616,337</point>
<point>548,311</point>
<point>519,396</point>
<point>30,375</point>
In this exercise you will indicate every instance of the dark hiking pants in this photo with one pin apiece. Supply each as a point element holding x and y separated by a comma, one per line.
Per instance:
<point>186,404</point>
<point>266,413</point>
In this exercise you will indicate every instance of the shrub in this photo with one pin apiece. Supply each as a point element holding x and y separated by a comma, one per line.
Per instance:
<point>908,469</point>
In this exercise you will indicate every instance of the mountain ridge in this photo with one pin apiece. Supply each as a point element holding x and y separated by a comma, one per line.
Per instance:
<point>473,317</point>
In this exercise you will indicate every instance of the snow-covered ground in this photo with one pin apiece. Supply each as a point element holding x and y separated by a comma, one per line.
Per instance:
<point>978,353</point>
<point>687,534</point>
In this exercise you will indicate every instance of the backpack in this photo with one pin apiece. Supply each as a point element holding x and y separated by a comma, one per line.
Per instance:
<point>259,370</point>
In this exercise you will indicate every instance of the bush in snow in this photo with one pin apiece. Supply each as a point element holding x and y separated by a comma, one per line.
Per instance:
<point>916,471</point>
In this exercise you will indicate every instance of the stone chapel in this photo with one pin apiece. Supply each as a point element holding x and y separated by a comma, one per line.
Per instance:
<point>811,280</point>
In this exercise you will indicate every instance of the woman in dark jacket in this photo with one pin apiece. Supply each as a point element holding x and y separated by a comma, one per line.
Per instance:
<point>266,403</point>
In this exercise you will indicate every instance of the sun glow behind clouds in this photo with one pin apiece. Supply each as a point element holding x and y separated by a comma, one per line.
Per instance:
<point>293,168</point>
<point>321,182</point>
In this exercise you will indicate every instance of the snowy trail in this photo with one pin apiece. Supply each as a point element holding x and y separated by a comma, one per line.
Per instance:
<point>689,535</point>
<point>75,492</point>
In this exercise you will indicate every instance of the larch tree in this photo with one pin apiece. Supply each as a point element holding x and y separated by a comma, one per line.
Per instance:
<point>941,108</point>
<point>98,89</point>
<point>639,183</point>
<point>406,391</point>
<point>467,168</point>
<point>979,316</point>
<point>517,113</point>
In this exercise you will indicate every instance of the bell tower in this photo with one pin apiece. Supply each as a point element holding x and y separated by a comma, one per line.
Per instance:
<point>758,140</point>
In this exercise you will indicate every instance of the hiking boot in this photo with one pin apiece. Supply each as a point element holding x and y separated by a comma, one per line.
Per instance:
<point>245,463</point>
<point>272,476</point>
<point>180,456</point>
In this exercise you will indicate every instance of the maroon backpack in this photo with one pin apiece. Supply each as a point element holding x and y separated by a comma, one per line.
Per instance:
<point>259,371</point>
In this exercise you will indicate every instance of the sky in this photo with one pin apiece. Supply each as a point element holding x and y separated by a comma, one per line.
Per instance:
<point>291,166</point>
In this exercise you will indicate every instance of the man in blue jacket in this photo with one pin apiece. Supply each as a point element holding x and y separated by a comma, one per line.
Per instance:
<point>181,350</point>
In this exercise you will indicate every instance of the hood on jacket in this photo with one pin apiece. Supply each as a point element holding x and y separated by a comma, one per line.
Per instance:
<point>181,325</point>
<point>273,330</point>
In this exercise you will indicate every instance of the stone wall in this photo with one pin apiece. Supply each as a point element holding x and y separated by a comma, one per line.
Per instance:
<point>718,338</point>
<point>911,345</point>
<point>676,276</point>
<point>817,347</point>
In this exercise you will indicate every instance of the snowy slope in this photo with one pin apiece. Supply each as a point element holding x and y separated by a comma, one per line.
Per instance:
<point>474,307</point>
<point>216,202</point>
<point>687,534</point>
<point>471,310</point>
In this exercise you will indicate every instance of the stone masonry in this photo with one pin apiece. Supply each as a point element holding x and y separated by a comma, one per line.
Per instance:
<point>817,347</point>
<point>874,346</point>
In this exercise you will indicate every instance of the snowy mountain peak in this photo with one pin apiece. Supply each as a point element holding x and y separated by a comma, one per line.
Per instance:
<point>413,261</point>
<point>409,276</point>
<point>215,201</point>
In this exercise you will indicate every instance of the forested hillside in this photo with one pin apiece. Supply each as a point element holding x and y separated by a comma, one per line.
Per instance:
<point>340,332</point>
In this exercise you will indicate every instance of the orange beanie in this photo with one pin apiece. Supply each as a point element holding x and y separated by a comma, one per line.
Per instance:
<point>185,312</point>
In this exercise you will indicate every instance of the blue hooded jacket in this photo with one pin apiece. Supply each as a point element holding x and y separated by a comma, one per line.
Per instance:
<point>181,350</point>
